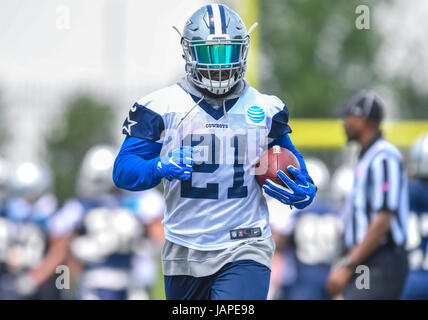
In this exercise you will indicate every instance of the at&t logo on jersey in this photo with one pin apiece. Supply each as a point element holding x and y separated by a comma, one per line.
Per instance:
<point>256,116</point>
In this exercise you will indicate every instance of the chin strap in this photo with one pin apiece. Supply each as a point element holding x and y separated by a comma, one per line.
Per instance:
<point>188,112</point>
<point>224,108</point>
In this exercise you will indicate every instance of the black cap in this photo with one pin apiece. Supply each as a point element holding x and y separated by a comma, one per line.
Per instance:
<point>365,103</point>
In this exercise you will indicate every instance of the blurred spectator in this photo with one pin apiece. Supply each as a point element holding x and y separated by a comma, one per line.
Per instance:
<point>416,286</point>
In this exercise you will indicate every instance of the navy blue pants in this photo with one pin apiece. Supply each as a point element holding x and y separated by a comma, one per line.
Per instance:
<point>388,268</point>
<point>103,294</point>
<point>416,287</point>
<point>239,280</point>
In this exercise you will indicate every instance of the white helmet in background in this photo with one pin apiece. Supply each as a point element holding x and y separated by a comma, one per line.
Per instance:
<point>30,180</point>
<point>318,172</point>
<point>419,157</point>
<point>342,181</point>
<point>95,174</point>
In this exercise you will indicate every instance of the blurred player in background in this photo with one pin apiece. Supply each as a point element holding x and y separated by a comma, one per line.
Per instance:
<point>4,180</point>
<point>204,135</point>
<point>283,268</point>
<point>4,193</point>
<point>25,235</point>
<point>311,241</point>
<point>377,208</point>
<point>98,230</point>
<point>416,286</point>
<point>149,206</point>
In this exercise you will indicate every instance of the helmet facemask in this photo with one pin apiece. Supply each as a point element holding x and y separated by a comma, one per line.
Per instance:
<point>216,64</point>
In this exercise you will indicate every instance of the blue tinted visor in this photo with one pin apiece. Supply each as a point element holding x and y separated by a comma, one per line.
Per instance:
<point>217,53</point>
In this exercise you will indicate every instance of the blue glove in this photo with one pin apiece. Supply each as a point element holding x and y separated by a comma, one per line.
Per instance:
<point>298,193</point>
<point>176,165</point>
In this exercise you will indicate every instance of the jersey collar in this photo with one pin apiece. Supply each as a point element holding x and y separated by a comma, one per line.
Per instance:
<point>366,148</point>
<point>216,113</point>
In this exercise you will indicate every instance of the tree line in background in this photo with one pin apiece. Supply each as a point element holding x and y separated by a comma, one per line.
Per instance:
<point>86,122</point>
<point>314,57</point>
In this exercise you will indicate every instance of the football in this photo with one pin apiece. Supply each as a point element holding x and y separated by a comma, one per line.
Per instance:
<point>274,159</point>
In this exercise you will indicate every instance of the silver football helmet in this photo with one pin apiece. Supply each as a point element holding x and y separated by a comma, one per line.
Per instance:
<point>419,157</point>
<point>95,173</point>
<point>319,172</point>
<point>215,44</point>
<point>30,180</point>
<point>342,181</point>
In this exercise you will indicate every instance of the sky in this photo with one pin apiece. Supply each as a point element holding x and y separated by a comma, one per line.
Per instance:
<point>92,41</point>
<point>80,40</point>
<point>118,49</point>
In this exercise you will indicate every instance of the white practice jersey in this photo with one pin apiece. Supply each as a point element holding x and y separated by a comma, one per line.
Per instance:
<point>209,211</point>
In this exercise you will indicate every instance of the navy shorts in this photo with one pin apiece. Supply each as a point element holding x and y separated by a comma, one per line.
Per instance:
<point>239,280</point>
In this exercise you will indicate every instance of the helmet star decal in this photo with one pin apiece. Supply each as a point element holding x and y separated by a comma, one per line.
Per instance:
<point>128,124</point>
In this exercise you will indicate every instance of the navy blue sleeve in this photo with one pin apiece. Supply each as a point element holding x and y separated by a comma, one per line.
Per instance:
<point>143,123</point>
<point>135,165</point>
<point>286,142</point>
<point>280,125</point>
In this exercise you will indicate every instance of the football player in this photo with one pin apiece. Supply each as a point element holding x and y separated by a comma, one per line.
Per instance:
<point>416,287</point>
<point>99,228</point>
<point>203,136</point>
<point>24,234</point>
<point>150,206</point>
<point>4,178</point>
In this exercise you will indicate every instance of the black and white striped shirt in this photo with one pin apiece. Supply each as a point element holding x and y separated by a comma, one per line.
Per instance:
<point>380,184</point>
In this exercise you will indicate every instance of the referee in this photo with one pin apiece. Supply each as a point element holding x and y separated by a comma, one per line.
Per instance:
<point>376,211</point>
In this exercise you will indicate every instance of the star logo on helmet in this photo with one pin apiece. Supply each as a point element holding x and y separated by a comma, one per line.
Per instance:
<point>128,124</point>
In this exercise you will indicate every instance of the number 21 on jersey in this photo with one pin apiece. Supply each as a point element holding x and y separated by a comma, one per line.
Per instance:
<point>210,143</point>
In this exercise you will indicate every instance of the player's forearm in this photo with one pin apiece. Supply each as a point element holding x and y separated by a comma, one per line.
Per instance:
<point>135,166</point>
<point>133,173</point>
<point>375,232</point>
<point>55,256</point>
